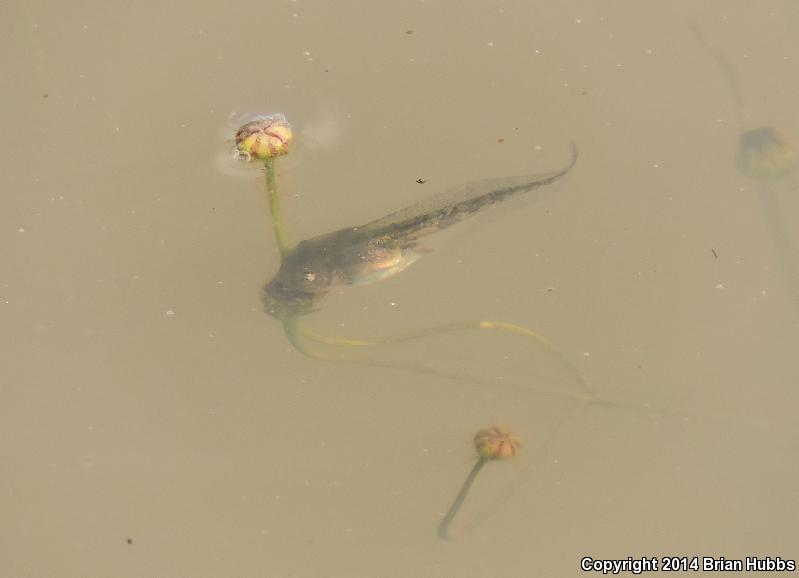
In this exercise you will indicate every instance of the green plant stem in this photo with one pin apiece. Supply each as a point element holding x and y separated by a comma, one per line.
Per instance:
<point>443,527</point>
<point>274,207</point>
<point>498,326</point>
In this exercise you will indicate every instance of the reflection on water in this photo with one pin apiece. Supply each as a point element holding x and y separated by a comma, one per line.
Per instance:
<point>770,160</point>
<point>766,155</point>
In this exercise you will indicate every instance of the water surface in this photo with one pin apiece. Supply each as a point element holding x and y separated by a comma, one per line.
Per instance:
<point>157,422</point>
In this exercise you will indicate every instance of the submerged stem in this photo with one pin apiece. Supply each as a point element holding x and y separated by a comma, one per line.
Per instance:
<point>298,333</point>
<point>274,206</point>
<point>498,326</point>
<point>443,527</point>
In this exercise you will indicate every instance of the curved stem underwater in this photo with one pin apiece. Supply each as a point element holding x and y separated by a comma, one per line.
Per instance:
<point>497,326</point>
<point>585,397</point>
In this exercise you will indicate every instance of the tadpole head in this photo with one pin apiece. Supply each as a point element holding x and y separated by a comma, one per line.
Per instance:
<point>284,302</point>
<point>765,154</point>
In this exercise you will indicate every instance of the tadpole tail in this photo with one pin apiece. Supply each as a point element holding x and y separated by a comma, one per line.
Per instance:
<point>442,211</point>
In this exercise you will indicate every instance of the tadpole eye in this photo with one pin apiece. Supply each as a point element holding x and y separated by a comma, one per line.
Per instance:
<point>309,276</point>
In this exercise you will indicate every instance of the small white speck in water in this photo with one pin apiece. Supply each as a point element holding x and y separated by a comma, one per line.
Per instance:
<point>170,313</point>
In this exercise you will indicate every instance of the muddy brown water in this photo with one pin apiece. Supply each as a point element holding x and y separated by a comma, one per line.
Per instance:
<point>155,421</point>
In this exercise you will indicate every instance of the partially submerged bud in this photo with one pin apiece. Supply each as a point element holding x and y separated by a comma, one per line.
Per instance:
<point>264,138</point>
<point>765,154</point>
<point>496,443</point>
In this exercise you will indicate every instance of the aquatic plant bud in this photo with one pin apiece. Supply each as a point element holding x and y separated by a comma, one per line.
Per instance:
<point>264,138</point>
<point>765,154</point>
<point>496,443</point>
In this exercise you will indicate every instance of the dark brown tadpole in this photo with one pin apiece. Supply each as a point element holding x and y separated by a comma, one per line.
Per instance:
<point>382,248</point>
<point>364,254</point>
<point>377,250</point>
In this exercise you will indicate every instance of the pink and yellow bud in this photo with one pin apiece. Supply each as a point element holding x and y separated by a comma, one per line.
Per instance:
<point>496,443</point>
<point>264,138</point>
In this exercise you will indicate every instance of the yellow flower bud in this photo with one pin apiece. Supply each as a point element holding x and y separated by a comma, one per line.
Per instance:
<point>496,443</point>
<point>264,138</point>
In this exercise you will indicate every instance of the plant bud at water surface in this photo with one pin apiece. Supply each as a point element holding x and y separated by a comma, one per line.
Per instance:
<point>264,138</point>
<point>496,443</point>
